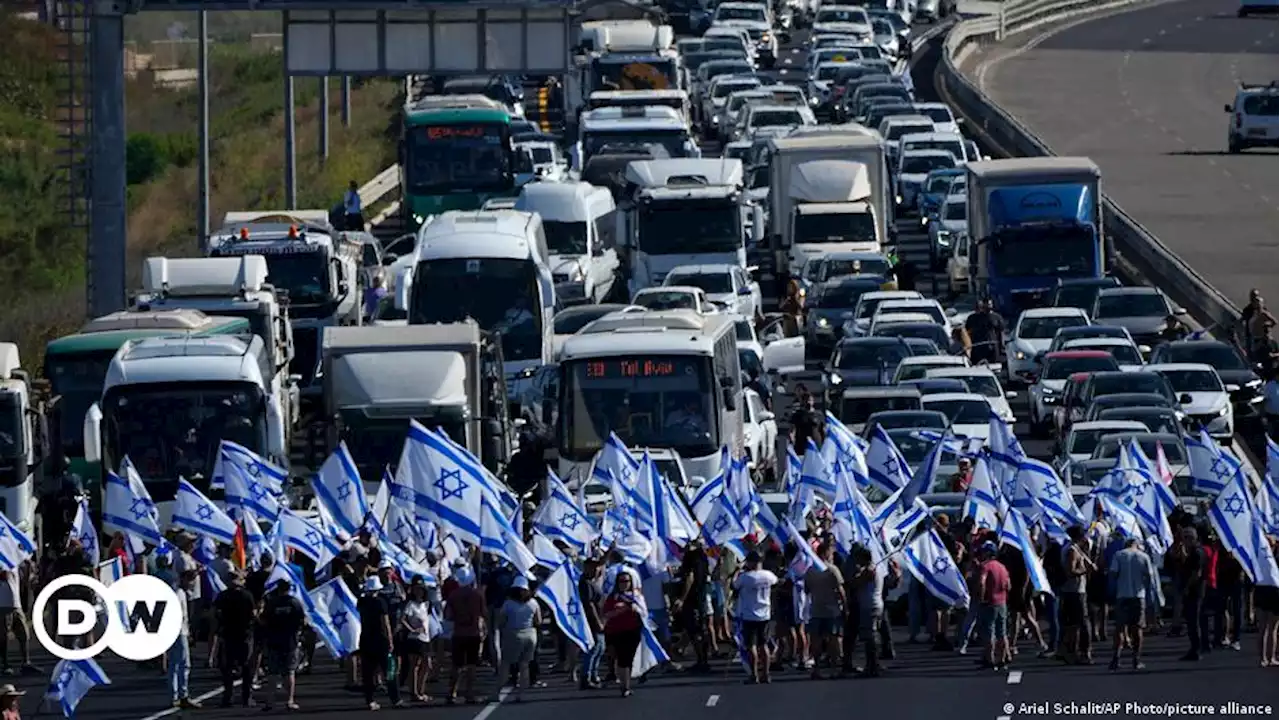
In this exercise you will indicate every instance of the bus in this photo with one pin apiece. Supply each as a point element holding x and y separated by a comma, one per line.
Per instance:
<point>668,380</point>
<point>455,153</point>
<point>76,367</point>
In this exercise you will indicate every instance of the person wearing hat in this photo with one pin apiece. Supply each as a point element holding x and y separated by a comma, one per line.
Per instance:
<point>234,615</point>
<point>282,620</point>
<point>416,623</point>
<point>10,702</point>
<point>375,643</point>
<point>993,613</point>
<point>465,610</point>
<point>518,621</point>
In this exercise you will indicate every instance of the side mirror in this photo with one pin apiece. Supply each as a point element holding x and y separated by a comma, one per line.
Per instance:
<point>1185,398</point>
<point>959,121</point>
<point>1010,395</point>
<point>697,481</point>
<point>389,259</point>
<point>91,434</point>
<point>1179,311</point>
<point>766,416</point>
<point>1227,108</point>
<point>951,312</point>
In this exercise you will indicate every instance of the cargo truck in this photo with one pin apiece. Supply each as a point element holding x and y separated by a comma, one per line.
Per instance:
<point>1032,221</point>
<point>24,443</point>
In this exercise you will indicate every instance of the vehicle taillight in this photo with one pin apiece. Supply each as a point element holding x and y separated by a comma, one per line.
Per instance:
<point>1239,120</point>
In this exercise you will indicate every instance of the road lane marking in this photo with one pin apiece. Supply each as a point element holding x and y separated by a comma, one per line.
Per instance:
<point>711,701</point>
<point>488,709</point>
<point>199,698</point>
<point>1015,677</point>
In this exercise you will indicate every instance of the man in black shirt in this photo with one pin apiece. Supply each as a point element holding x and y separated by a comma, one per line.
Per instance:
<point>986,333</point>
<point>1191,574</point>
<point>695,572</point>
<point>375,642</point>
<point>282,621</point>
<point>590,597</point>
<point>804,422</point>
<point>234,613</point>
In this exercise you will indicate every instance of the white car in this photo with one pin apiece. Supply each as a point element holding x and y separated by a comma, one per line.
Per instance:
<point>674,297</point>
<point>958,265</point>
<point>1126,353</point>
<point>928,306</point>
<point>727,285</point>
<point>983,381</point>
<point>1084,437</point>
<point>760,435</point>
<point>869,303</point>
<point>916,366</point>
<point>1032,334</point>
<point>745,331</point>
<point>969,413</point>
<point>944,121</point>
<point>1201,395</point>
<point>1253,113</point>
<point>887,320</point>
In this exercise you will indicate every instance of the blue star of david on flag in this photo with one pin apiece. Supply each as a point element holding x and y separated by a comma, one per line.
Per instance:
<point>401,527</point>
<point>87,539</point>
<point>312,537</point>
<point>344,491</point>
<point>442,484</point>
<point>1235,505</point>
<point>65,678</point>
<point>891,467</point>
<point>401,492</point>
<point>254,469</point>
<point>1052,490</point>
<point>1221,469</point>
<point>258,490</point>
<point>940,564</point>
<point>722,524</point>
<point>570,521</point>
<point>339,619</point>
<point>984,524</point>
<point>139,509</point>
<point>204,512</point>
<point>573,608</point>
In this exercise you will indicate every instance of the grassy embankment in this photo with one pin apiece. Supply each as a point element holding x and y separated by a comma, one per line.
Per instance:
<point>42,261</point>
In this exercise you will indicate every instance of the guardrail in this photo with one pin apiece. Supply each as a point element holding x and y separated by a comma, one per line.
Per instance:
<point>1134,244</point>
<point>384,186</point>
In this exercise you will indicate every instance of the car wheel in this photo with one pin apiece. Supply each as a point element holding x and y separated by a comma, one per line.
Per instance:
<point>1233,145</point>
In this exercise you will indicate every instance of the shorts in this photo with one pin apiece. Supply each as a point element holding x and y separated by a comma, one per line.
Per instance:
<point>465,651</point>
<point>995,622</point>
<point>826,627</point>
<point>693,620</point>
<point>1130,612</point>
<point>1266,598</point>
<point>414,646</point>
<point>519,646</point>
<point>755,633</point>
<point>1072,609</point>
<point>282,661</point>
<point>623,646</point>
<point>716,592</point>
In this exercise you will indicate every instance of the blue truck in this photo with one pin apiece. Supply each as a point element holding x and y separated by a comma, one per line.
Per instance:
<point>1032,221</point>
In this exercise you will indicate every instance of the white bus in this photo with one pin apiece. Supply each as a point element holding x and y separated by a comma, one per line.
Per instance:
<point>667,380</point>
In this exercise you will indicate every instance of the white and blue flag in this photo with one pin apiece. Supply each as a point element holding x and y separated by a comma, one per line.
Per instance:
<point>272,476</point>
<point>887,469</point>
<point>930,562</point>
<point>499,539</point>
<point>1212,467</point>
<point>248,487</point>
<point>83,531</point>
<point>339,488</point>
<point>307,538</point>
<point>1232,515</point>
<point>334,602</point>
<point>71,681</point>
<point>560,592</point>
<point>126,512</point>
<point>1014,532</point>
<point>197,513</point>
<point>983,502</point>
<point>561,518</point>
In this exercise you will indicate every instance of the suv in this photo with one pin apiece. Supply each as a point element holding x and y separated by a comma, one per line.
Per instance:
<point>1253,117</point>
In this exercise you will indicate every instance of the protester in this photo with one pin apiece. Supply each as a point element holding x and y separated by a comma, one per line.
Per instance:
<point>1191,567</point>
<point>416,622</point>
<point>623,618</point>
<point>376,658</point>
<point>986,333</point>
<point>1266,601</point>
<point>753,587</point>
<point>465,609</point>
<point>826,588</point>
<point>1077,635</point>
<point>10,702</point>
<point>1131,574</point>
<point>519,620</point>
<point>179,655</point>
<point>590,596</point>
<point>695,571</point>
<point>281,621</point>
<point>235,613</point>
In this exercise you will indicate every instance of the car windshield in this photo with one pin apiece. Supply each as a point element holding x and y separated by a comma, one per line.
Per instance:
<point>922,164</point>
<point>667,300</point>
<point>1121,305</point>
<point>1261,105</point>
<point>717,68</point>
<point>690,226</point>
<point>1064,367</point>
<point>913,447</point>
<point>859,266</point>
<point>1044,328</point>
<point>856,410</point>
<point>444,291</point>
<point>571,321</point>
<point>937,113</point>
<point>670,143</point>
<point>843,296</point>
<point>1218,355</point>
<point>742,330</point>
<point>881,27</point>
<point>863,356</point>
<point>856,227</point>
<point>961,412</point>
<point>1156,420</point>
<point>897,130</point>
<point>1174,451</point>
<point>768,118</point>
<point>954,211</point>
<point>711,283</point>
<point>938,183</point>
<point>843,15</point>
<point>923,331</point>
<point>750,362</point>
<point>722,43</point>
<point>1189,381</point>
<point>1124,354</point>
<point>985,385</point>
<point>727,12</point>
<point>454,158</point>
<point>1083,442</point>
<point>566,238</point>
<point>727,88</point>
<point>1078,296</point>
<point>1136,382</point>
<point>827,73</point>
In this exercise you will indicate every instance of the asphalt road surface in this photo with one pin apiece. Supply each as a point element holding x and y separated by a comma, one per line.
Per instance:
<point>1142,93</point>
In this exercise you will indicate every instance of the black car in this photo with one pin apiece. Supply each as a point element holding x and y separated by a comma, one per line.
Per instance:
<point>868,361</point>
<point>1080,292</point>
<point>831,304</point>
<point>1240,379</point>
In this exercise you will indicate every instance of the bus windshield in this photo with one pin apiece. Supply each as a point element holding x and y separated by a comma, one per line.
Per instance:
<point>172,430</point>
<point>501,295</point>
<point>663,401</point>
<point>453,158</point>
<point>77,381</point>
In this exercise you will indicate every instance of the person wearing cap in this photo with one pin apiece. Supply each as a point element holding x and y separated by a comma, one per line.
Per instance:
<point>234,613</point>
<point>281,622</point>
<point>518,621</point>
<point>10,702</point>
<point>993,587</point>
<point>416,623</point>
<point>465,609</point>
<point>375,643</point>
<point>179,654</point>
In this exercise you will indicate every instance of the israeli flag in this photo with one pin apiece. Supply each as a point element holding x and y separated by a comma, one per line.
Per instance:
<point>982,501</point>
<point>1039,483</point>
<point>806,558</point>
<point>561,518</point>
<point>930,562</point>
<point>724,524</point>
<point>922,479</point>
<point>1232,515</point>
<point>247,489</point>
<point>886,468</point>
<point>497,538</point>
<point>1212,468</point>
<point>1005,451</point>
<point>71,681</point>
<point>650,654</point>
<point>339,488</point>
<point>136,484</point>
<point>767,520</point>
<point>560,593</point>
<point>816,471</point>
<point>615,458</point>
<point>400,523</point>
<point>447,486</point>
<point>1014,532</point>
<point>197,513</point>
<point>334,602</point>
<point>300,534</point>
<point>83,531</point>
<point>255,542</point>
<point>546,552</point>
<point>123,511</point>
<point>705,499</point>
<point>272,476</point>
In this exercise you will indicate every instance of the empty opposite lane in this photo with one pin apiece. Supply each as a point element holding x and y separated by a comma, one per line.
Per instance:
<point>1141,92</point>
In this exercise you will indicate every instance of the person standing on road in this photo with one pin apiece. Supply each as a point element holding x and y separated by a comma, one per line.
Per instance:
<point>1131,573</point>
<point>754,588</point>
<point>867,579</point>
<point>234,612</point>
<point>465,608</point>
<point>179,655</point>
<point>281,622</point>
<point>826,588</point>
<point>1266,602</point>
<point>623,614</point>
<point>986,333</point>
<point>375,643</point>
<point>589,595</point>
<point>11,702</point>
<point>695,574</point>
<point>1190,567</point>
<point>518,621</point>
<point>352,217</point>
<point>993,595</point>
<point>13,617</point>
<point>1077,638</point>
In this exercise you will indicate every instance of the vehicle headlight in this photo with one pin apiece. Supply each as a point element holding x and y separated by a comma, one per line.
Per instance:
<point>1223,412</point>
<point>1254,383</point>
<point>823,322</point>
<point>1019,355</point>
<point>944,237</point>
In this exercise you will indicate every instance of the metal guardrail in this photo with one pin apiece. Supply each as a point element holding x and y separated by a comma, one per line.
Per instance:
<point>1133,243</point>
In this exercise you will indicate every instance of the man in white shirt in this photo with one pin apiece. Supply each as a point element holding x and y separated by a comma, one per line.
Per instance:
<point>754,589</point>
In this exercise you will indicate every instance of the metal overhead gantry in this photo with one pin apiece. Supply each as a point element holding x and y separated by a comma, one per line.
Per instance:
<point>368,38</point>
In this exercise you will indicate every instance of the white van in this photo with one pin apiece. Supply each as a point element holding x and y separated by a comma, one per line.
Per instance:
<point>578,220</point>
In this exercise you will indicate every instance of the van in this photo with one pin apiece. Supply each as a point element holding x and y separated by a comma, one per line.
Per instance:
<point>578,221</point>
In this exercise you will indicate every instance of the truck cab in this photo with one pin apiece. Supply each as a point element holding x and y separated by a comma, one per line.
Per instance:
<point>613,130</point>
<point>24,445</point>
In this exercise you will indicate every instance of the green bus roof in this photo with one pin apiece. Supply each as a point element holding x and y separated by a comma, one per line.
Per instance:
<point>449,116</point>
<point>113,339</point>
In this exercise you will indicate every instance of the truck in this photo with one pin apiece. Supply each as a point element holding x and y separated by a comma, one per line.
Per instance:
<point>455,153</point>
<point>318,267</point>
<point>684,212</point>
<point>24,443</point>
<point>447,376</point>
<point>829,192</point>
<point>623,55</point>
<point>1032,221</point>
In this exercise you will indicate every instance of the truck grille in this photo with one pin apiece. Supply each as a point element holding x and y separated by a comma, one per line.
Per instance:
<point>306,354</point>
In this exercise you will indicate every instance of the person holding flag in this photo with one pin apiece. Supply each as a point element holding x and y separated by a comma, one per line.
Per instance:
<point>623,616</point>
<point>753,587</point>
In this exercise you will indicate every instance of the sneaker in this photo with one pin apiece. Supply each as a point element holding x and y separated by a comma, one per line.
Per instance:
<point>1139,665</point>
<point>1235,645</point>
<point>374,706</point>
<point>964,650</point>
<point>189,704</point>
<point>1114,664</point>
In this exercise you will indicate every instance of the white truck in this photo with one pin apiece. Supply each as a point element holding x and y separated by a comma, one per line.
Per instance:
<point>23,441</point>
<point>446,376</point>
<point>829,192</point>
<point>623,55</point>
<point>684,212</point>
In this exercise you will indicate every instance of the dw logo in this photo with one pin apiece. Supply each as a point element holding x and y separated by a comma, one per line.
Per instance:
<point>143,617</point>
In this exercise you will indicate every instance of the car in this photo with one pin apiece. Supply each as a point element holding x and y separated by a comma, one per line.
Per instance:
<point>958,265</point>
<point>983,381</point>
<point>885,36</point>
<point>1175,454</point>
<point>726,285</point>
<point>1124,400</point>
<point>915,367</point>
<point>831,305</point>
<point>1201,396</point>
<point>674,297</point>
<point>969,413</point>
<point>1100,384</point>
<point>894,127</point>
<point>913,167</point>
<point>1237,376</point>
<point>1140,310</point>
<point>760,117</point>
<point>1051,378</point>
<point>1080,292</point>
<point>920,329</point>
<point>1083,475</point>
<point>944,121</point>
<point>936,188</point>
<point>866,361</point>
<point>717,99</point>
<point>933,386</point>
<point>1253,111</point>
<point>1123,350</point>
<point>1032,334</point>
<point>857,405</point>
<point>822,95</point>
<point>571,320</point>
<point>759,436</point>
<point>868,303</point>
<point>1092,330</point>
<point>1154,419</point>
<point>950,221</point>
<point>883,321</point>
<point>847,262</point>
<point>745,332</point>
<point>1068,407</point>
<point>1084,437</point>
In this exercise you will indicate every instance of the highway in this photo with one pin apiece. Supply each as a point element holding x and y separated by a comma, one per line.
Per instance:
<point>1142,93</point>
